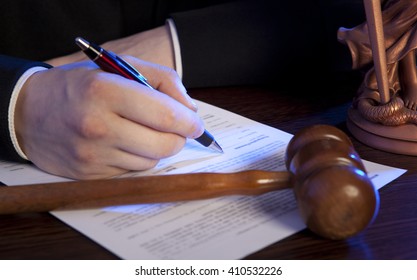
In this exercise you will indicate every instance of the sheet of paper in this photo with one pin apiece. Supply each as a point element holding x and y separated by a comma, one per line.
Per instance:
<point>220,228</point>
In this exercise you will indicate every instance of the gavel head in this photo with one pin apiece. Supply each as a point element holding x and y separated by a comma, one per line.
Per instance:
<point>334,194</point>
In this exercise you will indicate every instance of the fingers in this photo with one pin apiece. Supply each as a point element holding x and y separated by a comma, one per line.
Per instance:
<point>165,80</point>
<point>147,107</point>
<point>161,113</point>
<point>91,163</point>
<point>102,161</point>
<point>100,150</point>
<point>89,124</point>
<point>141,140</point>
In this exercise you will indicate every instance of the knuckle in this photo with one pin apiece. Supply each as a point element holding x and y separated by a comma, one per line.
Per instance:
<point>96,87</point>
<point>87,164</point>
<point>172,73</point>
<point>169,147</point>
<point>92,127</point>
<point>173,147</point>
<point>169,118</point>
<point>169,72</point>
<point>84,157</point>
<point>93,85</point>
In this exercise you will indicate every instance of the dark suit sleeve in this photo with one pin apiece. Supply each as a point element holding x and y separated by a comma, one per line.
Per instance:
<point>252,42</point>
<point>10,71</point>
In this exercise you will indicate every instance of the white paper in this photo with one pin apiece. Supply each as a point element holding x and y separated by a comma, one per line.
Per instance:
<point>220,228</point>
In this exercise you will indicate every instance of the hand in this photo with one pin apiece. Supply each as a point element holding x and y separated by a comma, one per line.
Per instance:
<point>80,122</point>
<point>154,45</point>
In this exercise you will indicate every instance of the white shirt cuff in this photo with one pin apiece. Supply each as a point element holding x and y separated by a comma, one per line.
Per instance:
<point>176,45</point>
<point>12,106</point>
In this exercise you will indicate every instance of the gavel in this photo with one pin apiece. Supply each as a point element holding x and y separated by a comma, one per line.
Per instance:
<point>335,197</point>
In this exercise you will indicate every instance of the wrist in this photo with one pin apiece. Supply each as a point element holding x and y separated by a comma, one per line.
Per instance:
<point>13,114</point>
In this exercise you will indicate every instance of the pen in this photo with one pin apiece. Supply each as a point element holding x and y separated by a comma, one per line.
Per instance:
<point>110,62</point>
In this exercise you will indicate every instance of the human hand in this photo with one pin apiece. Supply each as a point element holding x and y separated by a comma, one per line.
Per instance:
<point>80,122</point>
<point>154,45</point>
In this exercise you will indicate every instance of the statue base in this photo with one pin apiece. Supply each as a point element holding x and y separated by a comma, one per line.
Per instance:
<point>401,139</point>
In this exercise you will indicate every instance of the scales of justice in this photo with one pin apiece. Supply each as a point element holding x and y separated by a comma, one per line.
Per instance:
<point>383,115</point>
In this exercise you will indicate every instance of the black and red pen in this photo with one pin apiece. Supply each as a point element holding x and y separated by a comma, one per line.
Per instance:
<point>112,63</point>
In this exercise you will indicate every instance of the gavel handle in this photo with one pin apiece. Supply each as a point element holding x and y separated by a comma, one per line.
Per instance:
<point>137,190</point>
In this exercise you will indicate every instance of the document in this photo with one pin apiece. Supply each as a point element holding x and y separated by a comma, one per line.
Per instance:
<point>229,227</point>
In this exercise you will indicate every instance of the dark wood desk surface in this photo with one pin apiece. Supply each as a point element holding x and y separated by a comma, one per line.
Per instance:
<point>393,235</point>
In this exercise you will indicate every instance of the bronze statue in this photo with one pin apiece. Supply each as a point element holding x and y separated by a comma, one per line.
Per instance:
<point>399,19</point>
<point>386,102</point>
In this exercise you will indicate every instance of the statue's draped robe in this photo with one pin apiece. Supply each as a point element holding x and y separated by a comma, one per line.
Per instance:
<point>400,31</point>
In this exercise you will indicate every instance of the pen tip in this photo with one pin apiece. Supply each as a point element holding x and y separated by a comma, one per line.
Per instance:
<point>82,43</point>
<point>216,147</point>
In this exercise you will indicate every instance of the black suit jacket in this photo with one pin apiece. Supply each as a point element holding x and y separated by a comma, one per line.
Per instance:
<point>222,42</point>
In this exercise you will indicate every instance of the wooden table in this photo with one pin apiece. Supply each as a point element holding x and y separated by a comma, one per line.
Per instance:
<point>393,235</point>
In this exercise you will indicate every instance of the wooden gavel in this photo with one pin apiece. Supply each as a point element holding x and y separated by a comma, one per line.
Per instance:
<point>336,199</point>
